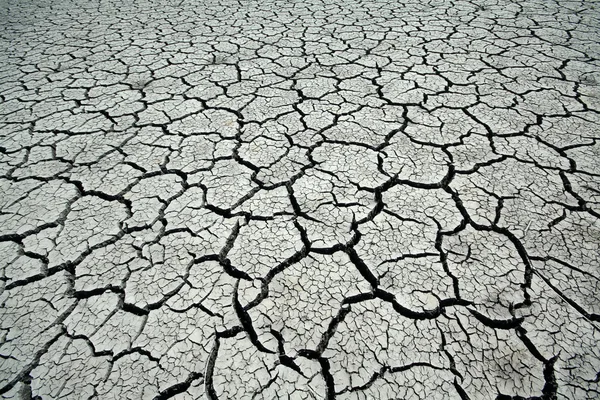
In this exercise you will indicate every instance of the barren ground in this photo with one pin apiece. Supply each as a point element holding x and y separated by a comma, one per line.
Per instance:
<point>299,199</point>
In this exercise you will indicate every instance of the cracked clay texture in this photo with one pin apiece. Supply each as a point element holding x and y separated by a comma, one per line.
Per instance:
<point>299,199</point>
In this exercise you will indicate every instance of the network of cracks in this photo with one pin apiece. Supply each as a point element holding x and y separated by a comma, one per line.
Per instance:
<point>300,199</point>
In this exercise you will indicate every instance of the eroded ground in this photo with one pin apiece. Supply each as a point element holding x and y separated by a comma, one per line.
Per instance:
<point>300,200</point>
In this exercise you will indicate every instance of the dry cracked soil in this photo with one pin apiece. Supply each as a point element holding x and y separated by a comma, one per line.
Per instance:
<point>299,199</point>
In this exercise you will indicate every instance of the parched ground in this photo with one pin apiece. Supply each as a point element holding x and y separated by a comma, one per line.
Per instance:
<point>289,199</point>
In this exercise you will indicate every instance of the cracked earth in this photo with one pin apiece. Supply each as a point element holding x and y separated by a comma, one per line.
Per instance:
<point>300,199</point>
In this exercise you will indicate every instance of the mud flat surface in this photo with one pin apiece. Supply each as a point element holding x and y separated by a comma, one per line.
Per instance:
<point>299,199</point>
